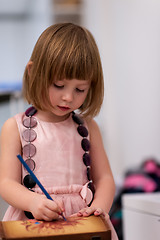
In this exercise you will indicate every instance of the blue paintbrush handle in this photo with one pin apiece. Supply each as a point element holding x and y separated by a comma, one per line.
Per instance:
<point>35,179</point>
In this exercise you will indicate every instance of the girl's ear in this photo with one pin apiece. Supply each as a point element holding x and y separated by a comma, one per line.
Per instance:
<point>29,66</point>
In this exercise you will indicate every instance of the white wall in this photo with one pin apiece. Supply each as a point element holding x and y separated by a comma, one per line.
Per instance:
<point>21,22</point>
<point>128,36</point>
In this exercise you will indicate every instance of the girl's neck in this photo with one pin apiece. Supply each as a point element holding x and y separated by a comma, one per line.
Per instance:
<point>47,116</point>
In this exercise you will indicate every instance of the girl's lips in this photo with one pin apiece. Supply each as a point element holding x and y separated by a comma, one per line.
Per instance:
<point>63,108</point>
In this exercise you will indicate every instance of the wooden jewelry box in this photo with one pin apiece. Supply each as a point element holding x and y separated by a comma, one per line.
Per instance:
<point>75,228</point>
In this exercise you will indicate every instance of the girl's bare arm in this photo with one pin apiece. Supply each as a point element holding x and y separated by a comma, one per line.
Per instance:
<point>11,189</point>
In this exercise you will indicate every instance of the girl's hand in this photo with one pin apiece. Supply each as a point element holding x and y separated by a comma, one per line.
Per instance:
<point>85,212</point>
<point>45,209</point>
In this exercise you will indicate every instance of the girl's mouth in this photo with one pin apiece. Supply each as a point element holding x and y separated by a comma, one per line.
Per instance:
<point>63,108</point>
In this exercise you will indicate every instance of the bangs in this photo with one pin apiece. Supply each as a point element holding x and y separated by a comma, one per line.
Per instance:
<point>73,65</point>
<point>73,57</point>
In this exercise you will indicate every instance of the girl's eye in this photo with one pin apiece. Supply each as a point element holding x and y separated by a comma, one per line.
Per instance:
<point>58,86</point>
<point>80,90</point>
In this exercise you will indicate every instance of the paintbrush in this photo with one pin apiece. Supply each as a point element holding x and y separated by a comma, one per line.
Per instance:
<point>36,180</point>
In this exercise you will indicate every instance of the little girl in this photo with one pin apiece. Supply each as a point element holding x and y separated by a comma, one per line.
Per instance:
<point>62,147</point>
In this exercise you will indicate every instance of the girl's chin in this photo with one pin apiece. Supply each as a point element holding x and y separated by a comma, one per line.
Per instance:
<point>61,114</point>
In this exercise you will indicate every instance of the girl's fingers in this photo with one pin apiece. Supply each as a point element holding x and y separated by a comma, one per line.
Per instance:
<point>86,211</point>
<point>81,212</point>
<point>98,212</point>
<point>89,211</point>
<point>48,214</point>
<point>54,206</point>
<point>60,203</point>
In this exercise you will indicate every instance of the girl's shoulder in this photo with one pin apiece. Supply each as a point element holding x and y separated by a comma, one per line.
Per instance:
<point>93,127</point>
<point>9,129</point>
<point>92,124</point>
<point>10,123</point>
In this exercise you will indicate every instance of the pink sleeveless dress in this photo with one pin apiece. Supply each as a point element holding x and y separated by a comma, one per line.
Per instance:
<point>59,166</point>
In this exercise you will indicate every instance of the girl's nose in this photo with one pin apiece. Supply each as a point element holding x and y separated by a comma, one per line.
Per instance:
<point>67,96</point>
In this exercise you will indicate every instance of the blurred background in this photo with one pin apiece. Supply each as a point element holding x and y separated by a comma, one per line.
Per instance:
<point>128,37</point>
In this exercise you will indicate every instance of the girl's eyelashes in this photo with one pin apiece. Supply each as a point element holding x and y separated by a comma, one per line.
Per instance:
<point>58,86</point>
<point>62,86</point>
<point>80,90</point>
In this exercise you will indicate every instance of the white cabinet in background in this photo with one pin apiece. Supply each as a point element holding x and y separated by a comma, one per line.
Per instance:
<point>141,216</point>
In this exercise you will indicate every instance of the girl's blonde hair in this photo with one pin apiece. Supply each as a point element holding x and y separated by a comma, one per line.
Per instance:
<point>64,51</point>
